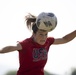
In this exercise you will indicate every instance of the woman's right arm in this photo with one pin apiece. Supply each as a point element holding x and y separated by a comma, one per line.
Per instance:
<point>10,48</point>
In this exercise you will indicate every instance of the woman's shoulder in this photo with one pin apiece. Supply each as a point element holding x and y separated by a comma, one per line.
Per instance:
<point>27,40</point>
<point>50,40</point>
<point>25,43</point>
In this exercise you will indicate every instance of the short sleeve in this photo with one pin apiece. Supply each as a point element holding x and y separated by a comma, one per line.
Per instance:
<point>50,40</point>
<point>23,44</point>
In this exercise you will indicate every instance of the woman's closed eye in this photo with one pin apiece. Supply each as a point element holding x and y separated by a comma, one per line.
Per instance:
<point>43,34</point>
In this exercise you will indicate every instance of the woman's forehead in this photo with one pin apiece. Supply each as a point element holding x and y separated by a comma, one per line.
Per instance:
<point>42,31</point>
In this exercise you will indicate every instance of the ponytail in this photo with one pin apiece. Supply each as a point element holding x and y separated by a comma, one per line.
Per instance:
<point>31,22</point>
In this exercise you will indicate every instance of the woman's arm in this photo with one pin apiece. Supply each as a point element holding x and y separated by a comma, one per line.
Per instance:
<point>11,48</point>
<point>66,38</point>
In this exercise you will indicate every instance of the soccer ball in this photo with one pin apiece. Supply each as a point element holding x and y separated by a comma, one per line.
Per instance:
<point>46,21</point>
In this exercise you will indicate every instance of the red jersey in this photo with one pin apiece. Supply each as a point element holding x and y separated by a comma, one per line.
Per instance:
<point>33,57</point>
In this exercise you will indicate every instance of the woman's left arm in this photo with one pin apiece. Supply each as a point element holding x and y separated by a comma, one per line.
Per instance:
<point>66,38</point>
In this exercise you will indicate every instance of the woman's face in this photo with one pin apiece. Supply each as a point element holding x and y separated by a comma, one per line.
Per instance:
<point>40,37</point>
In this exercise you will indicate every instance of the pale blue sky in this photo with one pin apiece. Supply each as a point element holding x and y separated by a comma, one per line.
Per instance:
<point>12,28</point>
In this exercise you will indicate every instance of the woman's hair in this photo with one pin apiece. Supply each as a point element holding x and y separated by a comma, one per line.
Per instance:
<point>31,22</point>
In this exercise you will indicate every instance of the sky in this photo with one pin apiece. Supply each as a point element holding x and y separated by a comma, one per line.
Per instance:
<point>61,58</point>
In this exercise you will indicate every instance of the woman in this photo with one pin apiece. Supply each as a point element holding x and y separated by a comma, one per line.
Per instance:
<point>33,51</point>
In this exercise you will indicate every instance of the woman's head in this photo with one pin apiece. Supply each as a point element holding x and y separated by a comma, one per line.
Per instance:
<point>39,35</point>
